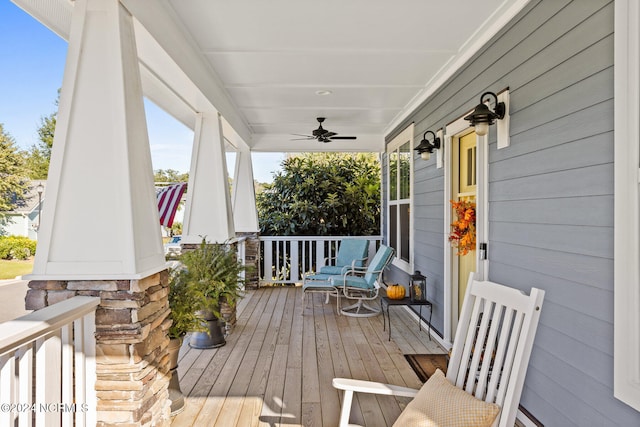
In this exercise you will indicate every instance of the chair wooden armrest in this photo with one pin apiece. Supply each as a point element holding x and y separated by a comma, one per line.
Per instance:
<point>350,386</point>
<point>361,386</point>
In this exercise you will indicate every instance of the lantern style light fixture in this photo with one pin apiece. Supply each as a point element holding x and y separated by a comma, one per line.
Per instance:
<point>40,190</point>
<point>482,117</point>
<point>426,147</point>
<point>418,287</point>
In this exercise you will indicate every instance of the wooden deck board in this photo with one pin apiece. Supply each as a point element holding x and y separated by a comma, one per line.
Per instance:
<point>278,363</point>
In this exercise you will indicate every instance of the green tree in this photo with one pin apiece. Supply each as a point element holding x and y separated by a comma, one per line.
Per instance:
<point>39,155</point>
<point>322,194</point>
<point>13,175</point>
<point>170,175</point>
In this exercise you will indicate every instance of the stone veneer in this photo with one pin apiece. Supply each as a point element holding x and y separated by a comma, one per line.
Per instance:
<point>252,259</point>
<point>132,361</point>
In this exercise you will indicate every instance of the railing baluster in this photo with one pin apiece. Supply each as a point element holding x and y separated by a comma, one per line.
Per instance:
<point>278,267</point>
<point>25,383</point>
<point>67,372</point>
<point>89,352</point>
<point>7,386</point>
<point>295,262</point>
<point>48,375</point>
<point>320,245</point>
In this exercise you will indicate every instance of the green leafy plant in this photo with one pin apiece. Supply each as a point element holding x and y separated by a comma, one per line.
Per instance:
<point>183,301</point>
<point>214,271</point>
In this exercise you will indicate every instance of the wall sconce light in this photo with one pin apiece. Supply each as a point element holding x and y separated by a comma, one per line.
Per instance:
<point>482,117</point>
<point>425,148</point>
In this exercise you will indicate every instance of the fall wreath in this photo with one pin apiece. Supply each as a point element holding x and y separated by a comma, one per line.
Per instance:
<point>463,229</point>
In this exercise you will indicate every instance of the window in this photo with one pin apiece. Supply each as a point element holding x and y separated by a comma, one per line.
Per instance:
<point>400,169</point>
<point>626,351</point>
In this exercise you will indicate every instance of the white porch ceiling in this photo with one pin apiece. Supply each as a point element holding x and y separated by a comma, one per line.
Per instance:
<point>260,63</point>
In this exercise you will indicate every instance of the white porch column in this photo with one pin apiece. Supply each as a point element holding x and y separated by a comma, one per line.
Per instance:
<point>208,206</point>
<point>100,233</point>
<point>245,215</point>
<point>101,218</point>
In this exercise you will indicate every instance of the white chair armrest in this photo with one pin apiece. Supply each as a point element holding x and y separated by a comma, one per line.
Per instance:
<point>361,386</point>
<point>352,270</point>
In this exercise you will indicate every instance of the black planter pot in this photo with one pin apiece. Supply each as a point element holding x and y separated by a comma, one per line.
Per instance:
<point>213,338</point>
<point>175,394</point>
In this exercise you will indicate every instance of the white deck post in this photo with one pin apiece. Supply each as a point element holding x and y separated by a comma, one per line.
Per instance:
<point>101,218</point>
<point>245,214</point>
<point>208,207</point>
<point>100,231</point>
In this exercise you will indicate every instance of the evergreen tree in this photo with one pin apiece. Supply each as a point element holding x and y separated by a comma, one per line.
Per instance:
<point>13,175</point>
<point>322,194</point>
<point>39,156</point>
<point>169,175</point>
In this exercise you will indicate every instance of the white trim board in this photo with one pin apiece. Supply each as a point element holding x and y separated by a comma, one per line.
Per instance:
<point>626,354</point>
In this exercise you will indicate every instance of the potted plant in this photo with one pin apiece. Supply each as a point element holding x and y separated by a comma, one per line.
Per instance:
<point>212,276</point>
<point>183,302</point>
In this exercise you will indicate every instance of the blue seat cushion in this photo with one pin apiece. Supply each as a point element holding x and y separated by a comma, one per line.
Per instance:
<point>316,277</point>
<point>352,282</point>
<point>331,270</point>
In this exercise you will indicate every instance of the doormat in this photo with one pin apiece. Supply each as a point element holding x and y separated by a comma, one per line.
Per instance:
<point>425,365</point>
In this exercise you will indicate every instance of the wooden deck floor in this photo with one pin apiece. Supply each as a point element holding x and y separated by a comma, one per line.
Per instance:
<point>278,363</point>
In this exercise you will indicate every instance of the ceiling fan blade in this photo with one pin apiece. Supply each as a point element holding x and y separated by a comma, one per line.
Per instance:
<point>329,134</point>
<point>343,137</point>
<point>302,139</point>
<point>306,136</point>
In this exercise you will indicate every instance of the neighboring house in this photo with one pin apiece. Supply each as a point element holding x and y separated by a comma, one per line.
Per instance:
<point>545,203</point>
<point>23,221</point>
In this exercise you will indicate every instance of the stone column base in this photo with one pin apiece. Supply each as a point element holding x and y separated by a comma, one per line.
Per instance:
<point>252,259</point>
<point>132,359</point>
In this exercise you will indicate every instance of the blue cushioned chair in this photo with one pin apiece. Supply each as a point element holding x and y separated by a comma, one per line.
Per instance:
<point>362,284</point>
<point>352,253</point>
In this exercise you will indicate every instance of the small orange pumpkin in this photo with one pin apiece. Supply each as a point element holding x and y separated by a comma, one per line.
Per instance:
<point>395,291</point>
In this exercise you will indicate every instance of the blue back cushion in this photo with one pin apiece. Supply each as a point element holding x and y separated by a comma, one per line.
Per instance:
<point>379,261</point>
<point>352,249</point>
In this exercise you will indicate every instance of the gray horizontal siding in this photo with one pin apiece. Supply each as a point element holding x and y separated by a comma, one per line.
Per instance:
<point>550,198</point>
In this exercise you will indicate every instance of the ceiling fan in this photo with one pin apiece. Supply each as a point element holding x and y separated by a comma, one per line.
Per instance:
<point>321,134</point>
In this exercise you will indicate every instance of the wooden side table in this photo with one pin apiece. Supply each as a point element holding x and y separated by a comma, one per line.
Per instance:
<point>404,301</point>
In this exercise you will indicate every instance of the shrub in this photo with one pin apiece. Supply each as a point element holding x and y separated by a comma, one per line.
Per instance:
<point>322,194</point>
<point>16,247</point>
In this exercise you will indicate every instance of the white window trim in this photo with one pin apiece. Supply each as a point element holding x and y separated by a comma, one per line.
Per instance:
<point>626,353</point>
<point>405,136</point>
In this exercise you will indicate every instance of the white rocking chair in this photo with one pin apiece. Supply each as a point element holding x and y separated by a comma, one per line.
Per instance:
<point>489,359</point>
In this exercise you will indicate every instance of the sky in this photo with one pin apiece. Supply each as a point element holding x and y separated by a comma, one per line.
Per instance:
<point>31,69</point>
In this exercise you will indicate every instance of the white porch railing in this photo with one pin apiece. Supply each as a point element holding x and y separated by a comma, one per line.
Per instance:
<point>47,366</point>
<point>286,258</point>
